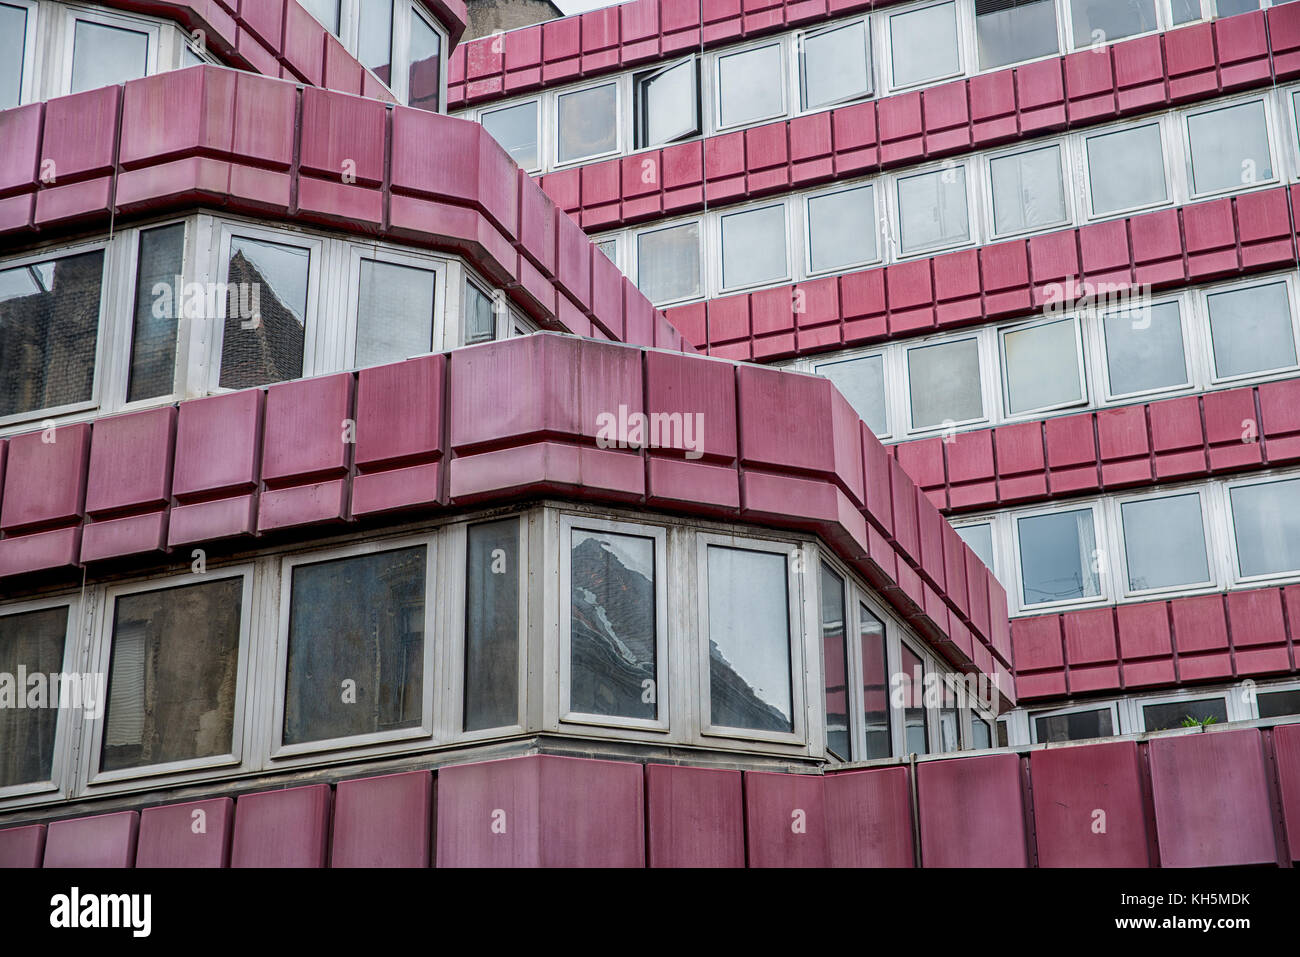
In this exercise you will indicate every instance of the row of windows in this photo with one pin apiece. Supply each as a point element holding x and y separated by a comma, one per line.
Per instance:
<point>443,637</point>
<point>1108,351</point>
<point>815,69</point>
<point>1199,538</point>
<point>124,320</point>
<point>1163,160</point>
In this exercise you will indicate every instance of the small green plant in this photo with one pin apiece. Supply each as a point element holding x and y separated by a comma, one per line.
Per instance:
<point>1190,722</point>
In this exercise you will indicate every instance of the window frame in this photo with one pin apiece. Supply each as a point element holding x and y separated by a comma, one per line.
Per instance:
<point>401,54</point>
<point>105,18</point>
<point>1191,696</point>
<point>640,124</point>
<point>886,57</point>
<point>987,401</point>
<point>1113,706</point>
<point>1173,190</point>
<point>29,82</point>
<point>975,69</point>
<point>348,331</point>
<point>974,189</point>
<point>1101,549</point>
<point>988,210</point>
<point>1270,137</point>
<point>1207,533</point>
<point>620,146</point>
<point>1203,295</point>
<point>887,373</point>
<point>720,263</point>
<point>797,78</point>
<point>540,125</point>
<point>715,85</point>
<point>1192,349</point>
<point>1270,477</point>
<point>701,228</point>
<point>1084,400</point>
<point>1065,15</point>
<point>807,227</point>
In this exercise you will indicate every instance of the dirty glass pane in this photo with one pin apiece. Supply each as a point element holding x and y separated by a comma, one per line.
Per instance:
<point>875,684</point>
<point>266,310</point>
<point>588,122</point>
<point>33,641</point>
<point>158,291</point>
<point>668,263</point>
<point>492,625</point>
<point>424,75</point>
<point>515,128</point>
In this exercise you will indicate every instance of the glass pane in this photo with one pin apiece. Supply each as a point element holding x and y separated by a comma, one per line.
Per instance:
<point>424,72</point>
<point>1101,21</point>
<point>609,248</point>
<point>394,312</point>
<point>841,228</point>
<point>612,626</point>
<point>924,44</point>
<point>1057,556</point>
<point>949,734</point>
<point>1266,519</point>
<point>1076,726</point>
<point>753,247</point>
<point>875,685</point>
<point>172,675</point>
<point>104,55</point>
<point>1126,169</point>
<point>375,37</point>
<point>750,85</point>
<point>1164,541</point>
<point>13,44</point>
<point>914,712</point>
<point>492,625</point>
<point>981,735</point>
<point>158,287</point>
<point>588,123</point>
<point>1251,330</point>
<point>944,383</point>
<point>1230,8</point>
<point>932,209</point>
<point>1229,148</point>
<point>1183,714</point>
<point>1042,366</point>
<point>515,128</point>
<point>326,11</point>
<point>835,652</point>
<point>49,328</point>
<point>1274,704</point>
<point>480,316</point>
<point>836,65</point>
<point>749,640</point>
<point>668,105</point>
<point>1009,31</point>
<point>668,263</point>
<point>1027,190</point>
<point>862,381</point>
<point>1144,349</point>
<point>356,646</point>
<point>266,309</point>
<point>1003,740</point>
<point>980,540</point>
<point>1185,11</point>
<point>32,641</point>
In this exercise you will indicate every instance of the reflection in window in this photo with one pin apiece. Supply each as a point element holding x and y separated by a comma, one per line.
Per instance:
<point>1251,330</point>
<point>923,44</point>
<point>356,646</point>
<point>492,625</point>
<point>862,382</point>
<point>1058,556</point>
<point>1144,349</point>
<point>667,103</point>
<point>749,640</point>
<point>1027,190</point>
<point>266,310</point>
<point>944,383</point>
<point>104,55</point>
<point>875,685</point>
<point>932,209</point>
<point>394,312</point>
<point>1183,714</point>
<point>588,123</point>
<point>13,44</point>
<point>515,128</point>
<point>1075,726</point>
<point>1272,704</point>
<point>1126,169</point>
<point>480,316</point>
<point>172,675</point>
<point>375,37</point>
<point>1011,31</point>
<point>835,660</point>
<point>668,263</point>
<point>158,285</point>
<point>841,228</point>
<point>915,720</point>
<point>326,11</point>
<point>1164,542</point>
<point>49,328</point>
<point>750,86</point>
<point>1229,148</point>
<point>1101,21</point>
<point>1042,366</point>
<point>32,641</point>
<point>1266,520</point>
<point>423,71</point>
<point>834,65</point>
<point>612,625</point>
<point>753,247</point>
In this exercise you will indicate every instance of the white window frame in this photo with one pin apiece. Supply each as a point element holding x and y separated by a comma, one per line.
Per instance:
<point>1270,137</point>
<point>1111,706</point>
<point>1192,347</point>
<point>347,332</point>
<point>876,204</point>
<point>633,254</point>
<point>1065,13</point>
<point>29,82</point>
<point>886,56</point>
<point>791,256</point>
<point>403,11</point>
<point>798,41</point>
<point>1101,549</point>
<point>974,189</point>
<point>71,14</point>
<point>538,103</point>
<point>1267,478</point>
<point>928,666</point>
<point>988,401</point>
<point>1203,295</point>
<point>1084,400</point>
<point>716,85</point>
<point>1063,155</point>
<point>640,77</point>
<point>1172,188</point>
<point>1138,706</point>
<point>1207,531</point>
<point>620,120</point>
<point>887,373</point>
<point>975,69</point>
<point>1251,701</point>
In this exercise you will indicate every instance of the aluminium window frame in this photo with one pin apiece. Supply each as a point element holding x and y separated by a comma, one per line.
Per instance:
<point>632,250</point>
<point>1214,580</point>
<point>1101,555</point>
<point>1069,193</point>
<point>988,398</point>
<point>640,121</point>
<point>29,81</point>
<point>1062,38</point>
<point>1004,367</point>
<point>1268,477</point>
<point>893,397</point>
<point>1137,707</point>
<point>71,14</point>
<point>540,146</point>
<point>974,188</point>
<point>1065,14</point>
<point>714,219</point>
<point>403,11</point>
<point>781,42</point>
<point>1170,169</point>
<point>886,57</point>
<point>798,78</point>
<point>1112,706</point>
<point>1192,350</point>
<point>341,353</point>
<point>1203,294</point>
<point>1251,690</point>
<point>1271,138</point>
<point>620,119</point>
<point>805,200</point>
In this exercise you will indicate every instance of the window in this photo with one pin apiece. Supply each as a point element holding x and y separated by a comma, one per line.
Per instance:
<point>949,722</point>
<point>1043,366</point>
<point>862,381</point>
<point>750,85</point>
<point>748,627</point>
<point>492,576</point>
<point>33,642</point>
<point>835,663</point>
<point>834,65</point>
<point>158,285</point>
<point>841,229</point>
<point>923,45</point>
<point>13,50</point>
<point>1075,725</point>
<point>944,383</point>
<point>1230,8</point>
<point>979,538</point>
<point>1101,21</point>
<point>354,652</point>
<point>1126,169</point>
<point>1229,148</point>
<point>266,313</point>
<point>609,249</point>
<point>1003,733</point>
<point>326,11</point>
<point>981,733</point>
<point>875,685</point>
<point>423,65</point>
<point>515,128</point>
<point>1144,349</point>
<point>1164,542</point>
<point>1011,31</point>
<point>103,55</point>
<point>480,316</point>
<point>1028,190</point>
<point>1251,330</point>
<point>668,263</point>
<point>49,332</point>
<point>375,38</point>
<point>1182,714</point>
<point>588,123</point>
<point>1276,704</point>
<point>915,720</point>
<point>932,210</point>
<point>667,103</point>
<point>395,312</point>
<point>754,247</point>
<point>1266,522</point>
<point>614,623</point>
<point>1058,557</point>
<point>174,675</point>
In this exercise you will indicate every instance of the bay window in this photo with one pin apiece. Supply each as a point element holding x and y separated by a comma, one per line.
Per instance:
<point>266,312</point>
<point>493,573</point>
<point>160,265</point>
<point>396,312</point>
<point>32,639</point>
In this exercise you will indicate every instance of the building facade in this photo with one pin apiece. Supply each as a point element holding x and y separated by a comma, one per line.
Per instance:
<point>677,433</point>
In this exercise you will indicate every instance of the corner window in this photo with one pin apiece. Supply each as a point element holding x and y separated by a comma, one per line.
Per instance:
<point>835,664</point>
<point>1251,330</point>
<point>1229,148</point>
<point>875,685</point>
<point>841,229</point>
<point>668,263</point>
<point>266,313</point>
<point>375,38</point>
<point>1012,31</point>
<point>923,45</point>
<point>862,382</point>
<point>1164,542</point>
<point>1126,169</point>
<point>933,210</point>
<point>423,65</point>
<point>31,642</point>
<point>587,123</point>
<point>1075,725</point>
<point>834,65</point>
<point>1184,714</point>
<point>667,103</point>
<point>915,720</point>
<point>1028,190</point>
<point>754,247</point>
<point>944,383</point>
<point>14,23</point>
<point>1043,366</point>
<point>750,86</point>
<point>1266,523</point>
<point>158,285</point>
<point>1144,350</point>
<point>1101,21</point>
<point>480,316</point>
<point>395,312</point>
<point>1058,557</point>
<point>492,577</point>
<point>515,128</point>
<point>103,55</point>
